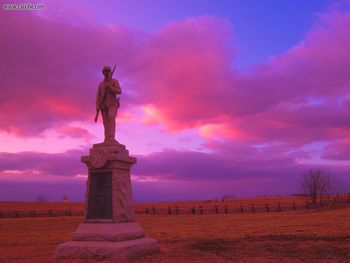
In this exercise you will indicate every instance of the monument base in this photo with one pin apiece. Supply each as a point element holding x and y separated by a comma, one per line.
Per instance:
<point>108,232</point>
<point>99,241</point>
<point>107,250</point>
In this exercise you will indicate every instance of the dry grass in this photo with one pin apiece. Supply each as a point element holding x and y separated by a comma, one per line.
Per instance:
<point>234,202</point>
<point>246,202</point>
<point>40,206</point>
<point>319,236</point>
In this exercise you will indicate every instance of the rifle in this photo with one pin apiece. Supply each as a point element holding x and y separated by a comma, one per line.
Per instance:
<point>103,96</point>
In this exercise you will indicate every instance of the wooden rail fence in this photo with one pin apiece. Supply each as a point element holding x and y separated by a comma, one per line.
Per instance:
<point>35,213</point>
<point>229,209</point>
<point>195,210</point>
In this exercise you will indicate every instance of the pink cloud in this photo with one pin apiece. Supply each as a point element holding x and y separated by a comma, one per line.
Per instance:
<point>74,132</point>
<point>182,78</point>
<point>185,71</point>
<point>296,123</point>
<point>49,70</point>
<point>41,165</point>
<point>182,75</point>
<point>189,82</point>
<point>339,150</point>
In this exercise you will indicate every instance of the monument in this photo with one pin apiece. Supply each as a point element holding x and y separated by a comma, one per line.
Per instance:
<point>109,231</point>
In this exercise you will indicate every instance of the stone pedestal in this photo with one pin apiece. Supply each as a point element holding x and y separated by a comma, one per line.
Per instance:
<point>109,231</point>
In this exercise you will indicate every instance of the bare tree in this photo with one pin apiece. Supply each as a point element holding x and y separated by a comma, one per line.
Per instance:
<point>65,199</point>
<point>316,183</point>
<point>336,188</point>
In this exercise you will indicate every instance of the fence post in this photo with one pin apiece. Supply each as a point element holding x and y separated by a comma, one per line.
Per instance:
<point>242,209</point>
<point>321,203</point>
<point>307,205</point>
<point>279,207</point>
<point>294,206</point>
<point>267,208</point>
<point>216,209</point>
<point>193,210</point>
<point>253,208</point>
<point>147,211</point>
<point>16,214</point>
<point>201,210</point>
<point>169,210</point>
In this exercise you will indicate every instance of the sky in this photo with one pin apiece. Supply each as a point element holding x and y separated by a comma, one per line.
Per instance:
<point>218,97</point>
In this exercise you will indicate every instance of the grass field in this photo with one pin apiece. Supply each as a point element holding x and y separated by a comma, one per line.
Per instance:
<point>300,236</point>
<point>29,206</point>
<point>247,202</point>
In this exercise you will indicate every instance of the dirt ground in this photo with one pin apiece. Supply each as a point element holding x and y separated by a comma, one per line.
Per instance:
<point>300,236</point>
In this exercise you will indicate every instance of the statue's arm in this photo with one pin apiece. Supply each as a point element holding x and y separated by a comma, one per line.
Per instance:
<point>115,87</point>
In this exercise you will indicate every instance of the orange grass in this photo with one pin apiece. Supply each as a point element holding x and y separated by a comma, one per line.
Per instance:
<point>246,202</point>
<point>301,236</point>
<point>40,206</point>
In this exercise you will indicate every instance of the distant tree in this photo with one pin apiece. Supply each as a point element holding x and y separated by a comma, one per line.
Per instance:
<point>42,198</point>
<point>316,183</point>
<point>336,187</point>
<point>65,199</point>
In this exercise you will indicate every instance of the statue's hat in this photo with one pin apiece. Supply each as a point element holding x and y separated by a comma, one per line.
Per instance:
<point>106,68</point>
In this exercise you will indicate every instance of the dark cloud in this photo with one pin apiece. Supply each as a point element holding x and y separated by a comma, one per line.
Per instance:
<point>47,164</point>
<point>167,175</point>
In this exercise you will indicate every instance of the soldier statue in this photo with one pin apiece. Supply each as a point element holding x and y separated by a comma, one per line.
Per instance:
<point>107,102</point>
